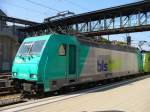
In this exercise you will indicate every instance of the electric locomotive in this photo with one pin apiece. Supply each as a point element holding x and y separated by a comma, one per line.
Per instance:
<point>50,62</point>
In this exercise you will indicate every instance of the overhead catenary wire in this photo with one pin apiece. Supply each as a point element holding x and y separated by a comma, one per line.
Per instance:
<point>75,4</point>
<point>42,5</point>
<point>25,8</point>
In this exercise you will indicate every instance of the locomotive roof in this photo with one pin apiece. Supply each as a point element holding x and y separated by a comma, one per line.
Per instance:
<point>38,38</point>
<point>143,51</point>
<point>108,45</point>
<point>89,42</point>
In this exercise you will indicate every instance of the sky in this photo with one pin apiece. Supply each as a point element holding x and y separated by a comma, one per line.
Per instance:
<point>37,10</point>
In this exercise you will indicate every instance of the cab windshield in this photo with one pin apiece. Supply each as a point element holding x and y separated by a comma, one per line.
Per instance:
<point>34,47</point>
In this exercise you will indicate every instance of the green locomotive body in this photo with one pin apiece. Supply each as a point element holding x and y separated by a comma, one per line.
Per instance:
<point>50,62</point>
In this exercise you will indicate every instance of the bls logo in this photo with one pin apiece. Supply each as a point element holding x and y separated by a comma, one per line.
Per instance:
<point>102,66</point>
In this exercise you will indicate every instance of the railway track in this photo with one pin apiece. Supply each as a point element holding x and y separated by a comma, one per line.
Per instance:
<point>39,102</point>
<point>7,93</point>
<point>10,99</point>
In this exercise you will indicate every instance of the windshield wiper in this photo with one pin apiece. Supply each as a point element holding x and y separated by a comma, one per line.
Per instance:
<point>30,49</point>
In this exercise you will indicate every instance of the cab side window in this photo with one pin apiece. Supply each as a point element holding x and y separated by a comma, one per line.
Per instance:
<point>62,50</point>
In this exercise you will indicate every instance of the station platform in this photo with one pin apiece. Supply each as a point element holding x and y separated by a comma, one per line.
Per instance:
<point>130,97</point>
<point>133,97</point>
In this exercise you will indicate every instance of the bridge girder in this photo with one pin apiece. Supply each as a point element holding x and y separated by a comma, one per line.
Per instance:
<point>134,17</point>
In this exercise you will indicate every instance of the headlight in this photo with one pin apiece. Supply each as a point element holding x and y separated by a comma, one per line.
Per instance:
<point>18,61</point>
<point>32,76</point>
<point>14,74</point>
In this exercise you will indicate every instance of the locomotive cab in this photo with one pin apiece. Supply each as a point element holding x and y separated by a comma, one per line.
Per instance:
<point>26,62</point>
<point>42,61</point>
<point>25,65</point>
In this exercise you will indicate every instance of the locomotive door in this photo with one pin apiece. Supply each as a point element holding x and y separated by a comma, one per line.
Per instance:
<point>72,62</point>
